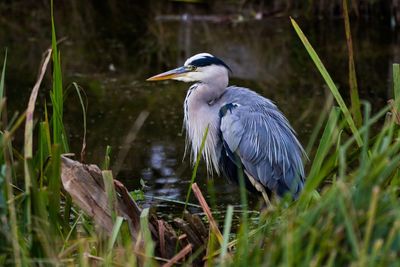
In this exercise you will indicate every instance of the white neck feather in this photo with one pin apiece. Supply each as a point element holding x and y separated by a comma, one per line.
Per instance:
<point>198,116</point>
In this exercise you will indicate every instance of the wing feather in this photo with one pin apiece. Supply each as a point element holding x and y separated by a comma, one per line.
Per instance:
<point>266,144</point>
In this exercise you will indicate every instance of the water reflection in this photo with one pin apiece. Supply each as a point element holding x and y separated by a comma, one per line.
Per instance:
<point>162,176</point>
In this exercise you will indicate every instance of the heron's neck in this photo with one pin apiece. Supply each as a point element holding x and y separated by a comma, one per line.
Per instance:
<point>207,92</point>
<point>201,111</point>
<point>201,96</point>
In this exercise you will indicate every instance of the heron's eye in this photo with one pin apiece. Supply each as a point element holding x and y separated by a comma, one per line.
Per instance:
<point>191,68</point>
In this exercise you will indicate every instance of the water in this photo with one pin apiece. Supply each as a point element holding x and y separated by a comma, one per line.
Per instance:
<point>264,55</point>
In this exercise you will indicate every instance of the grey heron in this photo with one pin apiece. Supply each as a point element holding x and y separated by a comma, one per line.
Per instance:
<point>246,132</point>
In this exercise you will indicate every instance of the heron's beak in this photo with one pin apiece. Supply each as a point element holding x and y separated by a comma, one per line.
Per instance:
<point>178,72</point>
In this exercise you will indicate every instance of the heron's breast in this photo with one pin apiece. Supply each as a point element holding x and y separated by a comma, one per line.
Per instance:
<point>197,121</point>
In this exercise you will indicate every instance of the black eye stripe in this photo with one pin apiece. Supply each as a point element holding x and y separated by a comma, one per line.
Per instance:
<point>207,61</point>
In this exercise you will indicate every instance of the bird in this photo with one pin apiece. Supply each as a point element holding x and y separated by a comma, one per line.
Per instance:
<point>246,133</point>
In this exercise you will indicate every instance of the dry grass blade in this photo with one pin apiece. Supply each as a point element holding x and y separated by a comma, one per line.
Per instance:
<point>161,233</point>
<point>98,261</point>
<point>179,256</point>
<point>31,107</point>
<point>394,111</point>
<point>2,82</point>
<point>207,211</point>
<point>355,100</point>
<point>396,84</point>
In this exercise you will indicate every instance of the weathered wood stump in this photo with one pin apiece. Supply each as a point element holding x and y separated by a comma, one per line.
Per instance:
<point>86,186</point>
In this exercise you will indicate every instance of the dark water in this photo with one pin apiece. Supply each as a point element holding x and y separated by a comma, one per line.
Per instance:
<point>264,55</point>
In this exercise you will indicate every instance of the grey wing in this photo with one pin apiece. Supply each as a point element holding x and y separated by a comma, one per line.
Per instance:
<point>266,145</point>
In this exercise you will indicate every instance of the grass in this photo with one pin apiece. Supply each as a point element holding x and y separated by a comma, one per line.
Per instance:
<point>355,100</point>
<point>347,214</point>
<point>331,85</point>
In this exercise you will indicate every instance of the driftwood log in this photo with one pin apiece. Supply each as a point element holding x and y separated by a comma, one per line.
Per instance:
<point>86,186</point>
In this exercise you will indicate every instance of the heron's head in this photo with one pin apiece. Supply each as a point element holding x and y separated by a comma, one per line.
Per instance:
<point>202,67</point>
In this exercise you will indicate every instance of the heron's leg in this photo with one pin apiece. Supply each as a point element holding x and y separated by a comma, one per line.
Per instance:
<point>259,187</point>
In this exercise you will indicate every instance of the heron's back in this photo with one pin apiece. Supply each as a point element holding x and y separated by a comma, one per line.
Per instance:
<point>256,133</point>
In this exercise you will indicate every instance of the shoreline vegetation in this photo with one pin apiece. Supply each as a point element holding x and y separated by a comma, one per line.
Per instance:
<point>347,214</point>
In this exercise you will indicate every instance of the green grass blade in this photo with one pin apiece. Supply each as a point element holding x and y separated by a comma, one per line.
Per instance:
<point>146,237</point>
<point>56,94</point>
<point>227,230</point>
<point>77,220</point>
<point>348,223</point>
<point>355,99</point>
<point>326,142</point>
<point>367,125</point>
<point>317,61</point>
<point>44,150</point>
<point>13,220</point>
<point>171,200</point>
<point>106,163</point>
<point>317,127</point>
<point>391,237</point>
<point>370,224</point>
<point>396,85</point>
<point>196,166</point>
<point>365,150</point>
<point>55,182</point>
<point>115,231</point>
<point>110,191</point>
